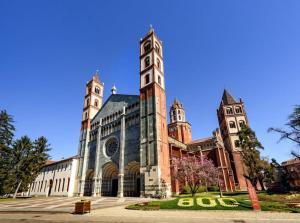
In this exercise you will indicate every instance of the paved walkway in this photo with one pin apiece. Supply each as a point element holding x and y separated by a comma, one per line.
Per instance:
<point>119,214</point>
<point>112,209</point>
<point>63,204</point>
<point>190,216</point>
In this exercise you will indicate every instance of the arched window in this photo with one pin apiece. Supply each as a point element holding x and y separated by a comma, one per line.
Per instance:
<point>97,90</point>
<point>90,90</point>
<point>147,46</point>
<point>63,185</point>
<point>147,79</point>
<point>236,143</point>
<point>45,185</point>
<point>241,123</point>
<point>68,184</point>
<point>238,109</point>
<point>232,125</point>
<point>158,62</point>
<point>59,185</point>
<point>229,111</point>
<point>55,185</point>
<point>87,102</point>
<point>159,80</point>
<point>147,61</point>
<point>96,103</point>
<point>157,48</point>
<point>86,115</point>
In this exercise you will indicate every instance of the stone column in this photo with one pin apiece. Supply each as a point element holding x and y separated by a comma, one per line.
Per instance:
<point>142,184</point>
<point>121,158</point>
<point>97,164</point>
<point>99,183</point>
<point>85,163</point>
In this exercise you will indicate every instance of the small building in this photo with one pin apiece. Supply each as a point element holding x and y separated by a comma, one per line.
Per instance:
<point>56,178</point>
<point>292,166</point>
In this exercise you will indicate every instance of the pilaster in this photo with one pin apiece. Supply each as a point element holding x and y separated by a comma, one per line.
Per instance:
<point>96,185</point>
<point>85,163</point>
<point>121,158</point>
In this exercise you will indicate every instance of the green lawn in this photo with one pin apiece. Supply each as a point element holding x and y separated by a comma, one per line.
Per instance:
<point>275,202</point>
<point>6,199</point>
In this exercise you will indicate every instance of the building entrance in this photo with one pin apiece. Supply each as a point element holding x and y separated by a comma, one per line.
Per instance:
<point>109,180</point>
<point>114,187</point>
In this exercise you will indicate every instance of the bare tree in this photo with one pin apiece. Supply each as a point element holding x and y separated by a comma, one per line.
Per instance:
<point>293,131</point>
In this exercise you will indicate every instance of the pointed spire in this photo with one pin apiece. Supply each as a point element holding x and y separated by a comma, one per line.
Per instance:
<point>96,76</point>
<point>227,98</point>
<point>151,29</point>
<point>113,90</point>
<point>176,104</point>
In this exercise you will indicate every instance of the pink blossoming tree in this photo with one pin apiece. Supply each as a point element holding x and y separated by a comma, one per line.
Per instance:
<point>195,172</point>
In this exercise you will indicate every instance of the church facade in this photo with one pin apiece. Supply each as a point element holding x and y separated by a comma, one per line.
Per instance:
<point>126,144</point>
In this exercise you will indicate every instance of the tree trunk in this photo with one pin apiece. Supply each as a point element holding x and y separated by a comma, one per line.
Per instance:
<point>262,184</point>
<point>254,184</point>
<point>16,191</point>
<point>221,192</point>
<point>29,190</point>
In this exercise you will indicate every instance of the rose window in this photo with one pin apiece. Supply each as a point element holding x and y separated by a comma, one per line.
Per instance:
<point>111,147</point>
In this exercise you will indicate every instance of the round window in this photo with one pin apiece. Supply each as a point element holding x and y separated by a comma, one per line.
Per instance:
<point>111,147</point>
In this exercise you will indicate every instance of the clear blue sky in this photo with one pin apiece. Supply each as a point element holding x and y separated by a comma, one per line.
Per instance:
<point>49,49</point>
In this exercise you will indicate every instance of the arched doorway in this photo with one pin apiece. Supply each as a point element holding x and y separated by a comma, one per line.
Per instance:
<point>50,187</point>
<point>132,181</point>
<point>109,179</point>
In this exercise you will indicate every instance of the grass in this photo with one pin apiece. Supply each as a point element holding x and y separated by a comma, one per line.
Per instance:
<point>6,199</point>
<point>268,202</point>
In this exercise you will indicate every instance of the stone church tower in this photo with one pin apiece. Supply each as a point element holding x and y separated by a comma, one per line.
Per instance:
<point>92,104</point>
<point>179,128</point>
<point>232,116</point>
<point>154,151</point>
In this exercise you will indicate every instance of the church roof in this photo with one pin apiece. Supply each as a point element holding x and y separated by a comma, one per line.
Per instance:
<point>227,98</point>
<point>177,104</point>
<point>114,103</point>
<point>201,140</point>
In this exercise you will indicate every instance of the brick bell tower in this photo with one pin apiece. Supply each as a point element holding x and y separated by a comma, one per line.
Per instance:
<point>179,128</point>
<point>92,104</point>
<point>232,116</point>
<point>154,152</point>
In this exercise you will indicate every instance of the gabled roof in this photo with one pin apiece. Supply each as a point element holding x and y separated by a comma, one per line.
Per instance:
<point>115,102</point>
<point>227,98</point>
